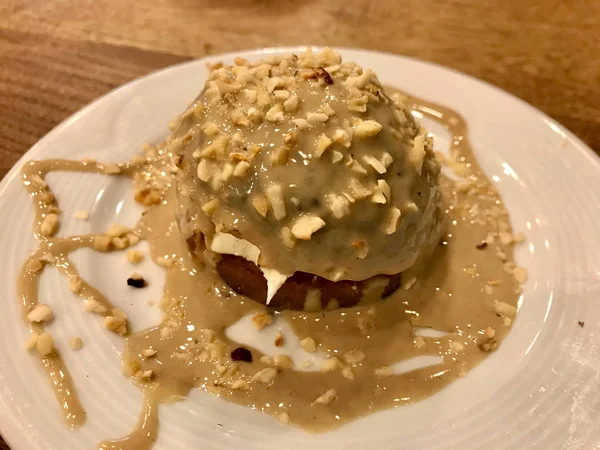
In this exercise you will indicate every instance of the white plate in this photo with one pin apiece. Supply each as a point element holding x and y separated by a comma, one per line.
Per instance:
<point>540,389</point>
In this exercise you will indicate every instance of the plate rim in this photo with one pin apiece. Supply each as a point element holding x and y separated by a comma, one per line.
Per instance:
<point>9,428</point>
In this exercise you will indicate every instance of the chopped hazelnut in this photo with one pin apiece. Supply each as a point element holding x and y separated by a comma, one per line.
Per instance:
<point>313,118</point>
<point>392,221</point>
<point>117,230</point>
<point>210,129</point>
<point>336,156</point>
<point>31,342</point>
<point>354,356</point>
<point>116,324</point>
<point>275,114</point>
<point>338,204</point>
<point>287,237</point>
<point>261,205</point>
<point>239,385</point>
<point>241,169</point>
<point>94,306</point>
<point>302,124</point>
<point>504,309</point>
<point>275,197</point>
<point>135,256</point>
<point>309,345</point>
<point>322,144</point>
<point>326,398</point>
<point>265,375</point>
<point>148,353</point>
<point>291,104</point>
<point>279,340</point>
<point>76,343</point>
<point>49,225</point>
<point>520,274</point>
<point>384,371</point>
<point>283,361</point>
<point>82,215</point>
<point>210,207</point>
<point>261,320</point>
<point>40,313</point>
<point>367,128</point>
<point>331,364</point>
<point>305,226</point>
<point>45,344</point>
<point>375,164</point>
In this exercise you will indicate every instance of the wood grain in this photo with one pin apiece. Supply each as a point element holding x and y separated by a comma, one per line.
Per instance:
<point>57,56</point>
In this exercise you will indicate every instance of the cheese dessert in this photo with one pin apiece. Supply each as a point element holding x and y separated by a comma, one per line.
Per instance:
<point>305,183</point>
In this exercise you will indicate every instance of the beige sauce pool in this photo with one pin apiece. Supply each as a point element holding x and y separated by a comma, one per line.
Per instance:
<point>458,294</point>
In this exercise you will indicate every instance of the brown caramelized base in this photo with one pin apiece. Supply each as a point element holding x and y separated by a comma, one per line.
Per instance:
<point>302,291</point>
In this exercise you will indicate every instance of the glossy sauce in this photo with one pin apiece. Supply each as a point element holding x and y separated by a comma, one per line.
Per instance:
<point>456,294</point>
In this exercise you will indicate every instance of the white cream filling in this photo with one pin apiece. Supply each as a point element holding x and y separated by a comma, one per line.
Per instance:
<point>228,244</point>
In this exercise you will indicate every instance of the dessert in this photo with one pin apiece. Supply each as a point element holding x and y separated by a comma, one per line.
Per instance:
<point>304,169</point>
<point>357,286</point>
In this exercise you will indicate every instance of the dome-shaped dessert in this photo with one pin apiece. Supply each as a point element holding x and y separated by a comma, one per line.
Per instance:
<point>305,165</point>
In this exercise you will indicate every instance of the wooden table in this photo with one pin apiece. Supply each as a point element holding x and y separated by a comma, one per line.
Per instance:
<point>56,56</point>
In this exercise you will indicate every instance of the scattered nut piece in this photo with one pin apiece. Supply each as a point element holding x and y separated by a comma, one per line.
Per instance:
<point>326,398</point>
<point>279,339</point>
<point>261,320</point>
<point>165,261</point>
<point>284,418</point>
<point>241,169</point>
<point>367,128</point>
<point>45,344</point>
<point>392,221</point>
<point>117,230</point>
<point>210,206</point>
<point>341,136</point>
<point>40,313</point>
<point>266,359</point>
<point>291,104</point>
<point>504,309</point>
<point>116,324</point>
<point>135,256</point>
<point>322,144</point>
<point>240,385</point>
<point>94,306</point>
<point>375,164</point>
<point>331,364</point>
<point>49,225</point>
<point>145,375</point>
<point>336,156</point>
<point>275,113</point>
<point>148,353</point>
<point>283,361</point>
<point>308,344</point>
<point>354,356</point>
<point>265,375</point>
<point>38,181</point>
<point>76,343</point>
<point>120,242</point>
<point>313,118</point>
<point>384,371</point>
<point>31,342</point>
<point>417,153</point>
<point>261,205</point>
<point>274,195</point>
<point>82,215</point>
<point>520,274</point>
<point>305,226</point>
<point>302,124</point>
